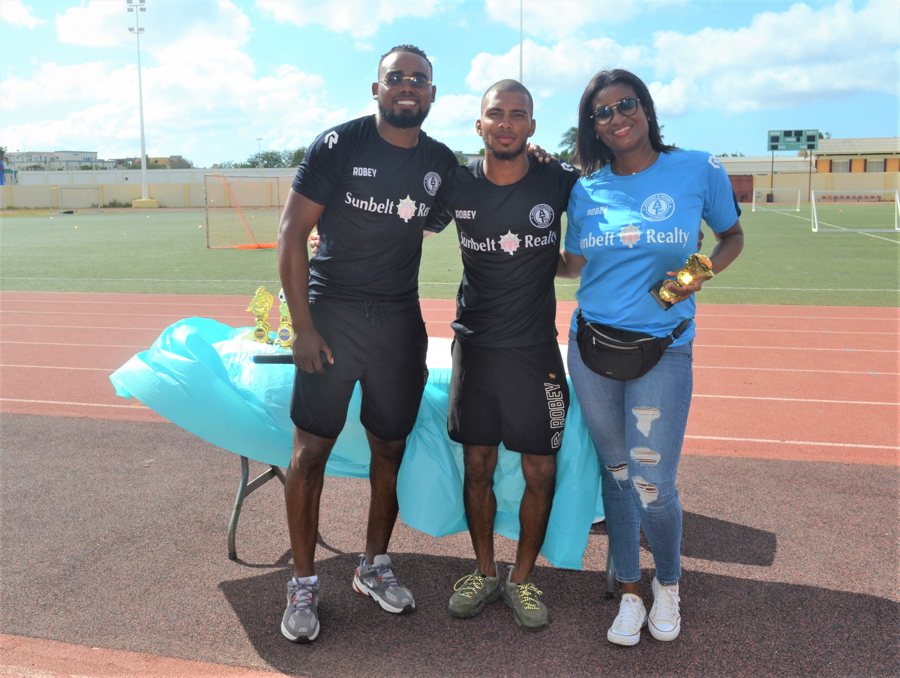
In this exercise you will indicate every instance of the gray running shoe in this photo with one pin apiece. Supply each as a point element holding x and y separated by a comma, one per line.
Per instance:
<point>525,600</point>
<point>472,593</point>
<point>379,582</point>
<point>300,623</point>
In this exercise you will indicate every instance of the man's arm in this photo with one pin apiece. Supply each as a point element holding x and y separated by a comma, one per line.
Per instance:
<point>298,219</point>
<point>569,265</point>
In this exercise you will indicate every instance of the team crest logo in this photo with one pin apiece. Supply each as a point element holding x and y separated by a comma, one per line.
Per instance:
<point>432,182</point>
<point>406,208</point>
<point>541,215</point>
<point>657,207</point>
<point>714,161</point>
<point>509,243</point>
<point>630,235</point>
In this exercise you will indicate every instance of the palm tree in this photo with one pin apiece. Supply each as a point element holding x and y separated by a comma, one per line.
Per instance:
<point>567,143</point>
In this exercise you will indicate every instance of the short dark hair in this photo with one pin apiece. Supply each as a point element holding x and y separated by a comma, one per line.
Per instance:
<point>412,49</point>
<point>590,152</point>
<point>509,85</point>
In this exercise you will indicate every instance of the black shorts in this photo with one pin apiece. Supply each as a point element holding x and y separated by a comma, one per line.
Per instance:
<point>517,396</point>
<point>382,345</point>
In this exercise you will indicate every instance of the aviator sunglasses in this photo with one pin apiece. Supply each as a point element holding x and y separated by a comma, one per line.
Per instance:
<point>627,106</point>
<point>395,78</point>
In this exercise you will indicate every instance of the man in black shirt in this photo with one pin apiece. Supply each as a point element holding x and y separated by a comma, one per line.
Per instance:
<point>509,382</point>
<point>368,186</point>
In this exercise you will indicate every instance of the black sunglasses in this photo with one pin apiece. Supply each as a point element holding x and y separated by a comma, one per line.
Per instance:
<point>627,106</point>
<point>395,78</point>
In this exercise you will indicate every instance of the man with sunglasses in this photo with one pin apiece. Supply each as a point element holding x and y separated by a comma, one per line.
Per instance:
<point>368,187</point>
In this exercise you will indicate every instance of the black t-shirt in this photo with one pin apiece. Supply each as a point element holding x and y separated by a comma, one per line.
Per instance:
<point>510,241</point>
<point>378,199</point>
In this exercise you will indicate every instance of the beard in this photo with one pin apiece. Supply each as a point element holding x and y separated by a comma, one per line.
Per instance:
<point>404,119</point>
<point>506,155</point>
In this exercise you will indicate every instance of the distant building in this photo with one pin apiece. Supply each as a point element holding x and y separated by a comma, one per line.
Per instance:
<point>84,160</point>
<point>880,154</point>
<point>56,160</point>
<point>873,162</point>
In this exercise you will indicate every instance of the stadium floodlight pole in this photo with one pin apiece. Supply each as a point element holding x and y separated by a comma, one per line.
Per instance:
<point>138,6</point>
<point>258,152</point>
<point>521,32</point>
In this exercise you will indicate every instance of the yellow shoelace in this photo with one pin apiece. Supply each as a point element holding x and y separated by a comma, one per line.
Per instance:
<point>469,585</point>
<point>528,595</point>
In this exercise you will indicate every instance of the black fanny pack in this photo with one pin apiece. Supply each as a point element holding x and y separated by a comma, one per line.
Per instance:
<point>620,354</point>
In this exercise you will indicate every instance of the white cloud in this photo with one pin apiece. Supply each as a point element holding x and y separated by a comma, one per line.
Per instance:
<point>673,98</point>
<point>360,18</point>
<point>549,70</point>
<point>800,54</point>
<point>782,57</point>
<point>204,96</point>
<point>17,13</point>
<point>563,18</point>
<point>98,23</point>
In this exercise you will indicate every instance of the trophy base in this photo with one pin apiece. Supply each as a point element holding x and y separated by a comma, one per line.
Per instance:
<point>654,292</point>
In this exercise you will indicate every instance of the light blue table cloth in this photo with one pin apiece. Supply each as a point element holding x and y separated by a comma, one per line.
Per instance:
<point>199,374</point>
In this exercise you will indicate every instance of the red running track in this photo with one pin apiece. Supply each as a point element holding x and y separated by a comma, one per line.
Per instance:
<point>804,383</point>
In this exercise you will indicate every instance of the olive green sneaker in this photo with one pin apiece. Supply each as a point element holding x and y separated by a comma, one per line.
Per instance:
<point>472,593</point>
<point>525,600</point>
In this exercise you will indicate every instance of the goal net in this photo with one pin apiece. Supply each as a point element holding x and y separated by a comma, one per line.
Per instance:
<point>855,211</point>
<point>776,199</point>
<point>76,198</point>
<point>242,211</point>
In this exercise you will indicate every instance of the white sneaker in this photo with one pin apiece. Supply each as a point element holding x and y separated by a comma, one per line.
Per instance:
<point>626,628</point>
<point>665,617</point>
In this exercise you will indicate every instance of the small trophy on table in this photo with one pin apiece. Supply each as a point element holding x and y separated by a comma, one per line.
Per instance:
<point>260,306</point>
<point>285,329</point>
<point>697,267</point>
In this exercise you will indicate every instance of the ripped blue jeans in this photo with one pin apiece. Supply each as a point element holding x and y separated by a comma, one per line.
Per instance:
<point>638,428</point>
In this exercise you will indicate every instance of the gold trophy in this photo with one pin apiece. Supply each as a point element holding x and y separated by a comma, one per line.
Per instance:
<point>260,307</point>
<point>285,329</point>
<point>697,267</point>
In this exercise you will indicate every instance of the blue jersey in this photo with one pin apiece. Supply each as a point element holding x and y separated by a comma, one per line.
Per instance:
<point>632,229</point>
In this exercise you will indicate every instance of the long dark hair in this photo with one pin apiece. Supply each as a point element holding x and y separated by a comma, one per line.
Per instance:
<point>590,152</point>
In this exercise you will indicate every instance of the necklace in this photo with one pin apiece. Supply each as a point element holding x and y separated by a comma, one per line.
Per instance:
<point>653,156</point>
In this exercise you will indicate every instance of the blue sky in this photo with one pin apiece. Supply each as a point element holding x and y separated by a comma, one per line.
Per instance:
<point>222,78</point>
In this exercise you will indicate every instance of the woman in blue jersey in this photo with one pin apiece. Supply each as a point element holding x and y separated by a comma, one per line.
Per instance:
<point>633,220</point>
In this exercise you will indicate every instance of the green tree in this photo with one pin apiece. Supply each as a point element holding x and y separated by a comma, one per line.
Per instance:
<point>567,143</point>
<point>177,162</point>
<point>295,157</point>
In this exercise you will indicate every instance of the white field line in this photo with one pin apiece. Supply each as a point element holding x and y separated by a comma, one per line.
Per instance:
<point>864,373</point>
<point>712,396</point>
<point>271,283</point>
<point>823,401</point>
<point>692,437</point>
<point>28,401</point>
<point>702,328</point>
<point>794,369</point>
<point>814,443</point>
<point>98,347</point>
<point>708,313</point>
<point>807,349</point>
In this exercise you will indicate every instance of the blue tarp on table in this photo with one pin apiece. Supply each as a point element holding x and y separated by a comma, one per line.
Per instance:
<point>200,375</point>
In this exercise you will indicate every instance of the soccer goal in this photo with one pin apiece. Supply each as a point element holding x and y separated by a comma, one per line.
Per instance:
<point>76,198</point>
<point>775,199</point>
<point>856,211</point>
<point>242,211</point>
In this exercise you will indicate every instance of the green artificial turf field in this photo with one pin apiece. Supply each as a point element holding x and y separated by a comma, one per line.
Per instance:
<point>852,263</point>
